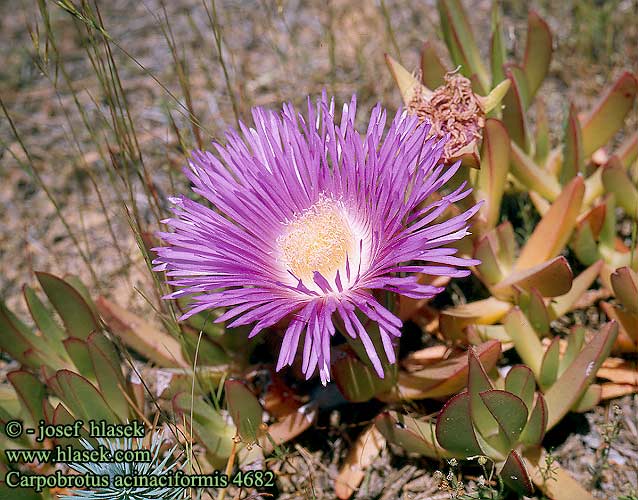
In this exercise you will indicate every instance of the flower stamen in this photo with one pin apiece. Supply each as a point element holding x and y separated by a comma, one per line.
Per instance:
<point>317,239</point>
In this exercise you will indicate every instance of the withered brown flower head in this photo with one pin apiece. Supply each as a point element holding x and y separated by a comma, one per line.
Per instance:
<point>453,109</point>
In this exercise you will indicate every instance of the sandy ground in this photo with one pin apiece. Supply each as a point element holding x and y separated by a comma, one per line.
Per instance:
<point>274,51</point>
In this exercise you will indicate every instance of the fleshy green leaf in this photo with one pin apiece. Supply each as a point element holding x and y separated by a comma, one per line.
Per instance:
<point>454,429</point>
<point>589,400</point>
<point>245,410</point>
<point>432,68</point>
<point>140,336</point>
<point>515,103</point>
<point>520,381</point>
<point>460,41</point>
<point>30,391</point>
<point>357,381</point>
<point>550,278</point>
<point>573,154</point>
<point>79,353</point>
<point>617,181</point>
<point>445,377</point>
<point>108,373</point>
<point>17,339</point>
<point>526,341</point>
<point>509,411</point>
<point>625,284</point>
<point>570,386</point>
<point>531,175</point>
<point>477,383</point>
<point>628,150</point>
<point>554,230</point>
<point>81,397</point>
<point>538,52</point>
<point>77,316</point>
<point>515,475</point>
<point>549,366</point>
<point>495,159</point>
<point>43,318</point>
<point>497,46</point>
<point>608,114</point>
<point>541,134</point>
<point>534,431</point>
<point>575,342</point>
<point>213,431</point>
<point>534,307</point>
<point>414,436</point>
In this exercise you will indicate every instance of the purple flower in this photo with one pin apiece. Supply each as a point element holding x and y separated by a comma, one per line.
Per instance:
<point>308,218</point>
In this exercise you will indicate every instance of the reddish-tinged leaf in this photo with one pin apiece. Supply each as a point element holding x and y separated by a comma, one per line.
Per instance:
<point>608,114</point>
<point>454,429</point>
<point>140,336</point>
<point>573,156</point>
<point>534,431</point>
<point>446,377</point>
<point>551,279</point>
<point>515,475</point>
<point>538,52</point>
<point>553,231</point>
<point>432,68</point>
<point>570,386</point>
<point>288,427</point>
<point>564,303</point>
<point>494,168</point>
<point>625,284</point>
<point>360,456</point>
<point>613,391</point>
<point>628,328</point>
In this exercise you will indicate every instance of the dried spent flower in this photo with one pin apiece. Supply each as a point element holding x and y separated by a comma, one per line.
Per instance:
<point>453,110</point>
<point>308,219</point>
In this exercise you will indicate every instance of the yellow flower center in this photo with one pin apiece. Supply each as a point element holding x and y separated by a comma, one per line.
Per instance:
<point>317,239</point>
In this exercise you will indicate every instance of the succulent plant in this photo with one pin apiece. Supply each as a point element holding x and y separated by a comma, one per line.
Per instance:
<point>504,418</point>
